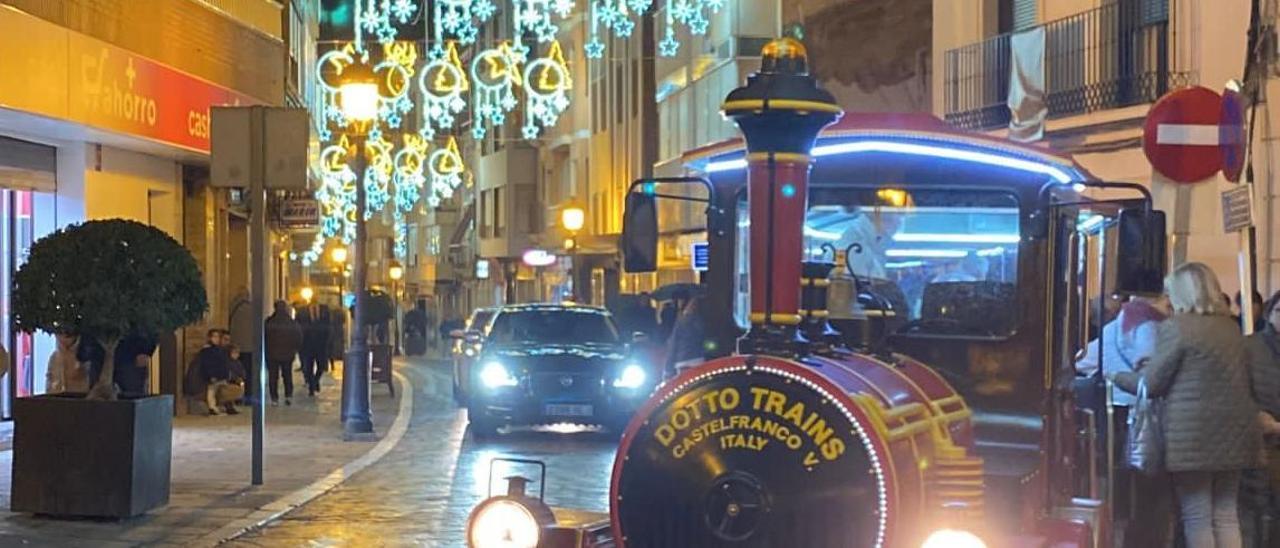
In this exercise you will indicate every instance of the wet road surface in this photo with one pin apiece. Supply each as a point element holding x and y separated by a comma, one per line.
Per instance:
<point>421,493</point>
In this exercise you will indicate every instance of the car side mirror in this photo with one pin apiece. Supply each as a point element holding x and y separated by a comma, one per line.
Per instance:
<point>1143,257</point>
<point>640,233</point>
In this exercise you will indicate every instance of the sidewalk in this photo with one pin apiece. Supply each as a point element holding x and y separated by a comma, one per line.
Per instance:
<point>210,475</point>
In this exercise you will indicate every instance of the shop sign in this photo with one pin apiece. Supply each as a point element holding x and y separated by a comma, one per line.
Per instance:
<point>63,74</point>
<point>298,213</point>
<point>538,257</point>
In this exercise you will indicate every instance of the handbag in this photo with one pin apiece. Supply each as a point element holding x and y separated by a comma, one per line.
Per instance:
<point>1144,442</point>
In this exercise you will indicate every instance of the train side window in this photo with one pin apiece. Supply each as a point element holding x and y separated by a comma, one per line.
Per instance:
<point>947,259</point>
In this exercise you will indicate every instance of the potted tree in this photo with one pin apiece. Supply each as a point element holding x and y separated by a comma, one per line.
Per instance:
<point>101,454</point>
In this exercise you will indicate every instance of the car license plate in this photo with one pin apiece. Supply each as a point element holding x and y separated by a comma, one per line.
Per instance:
<point>569,410</point>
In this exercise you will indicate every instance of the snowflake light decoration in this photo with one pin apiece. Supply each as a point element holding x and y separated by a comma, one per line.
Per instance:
<point>409,166</point>
<point>442,83</point>
<point>378,19</point>
<point>615,16</point>
<point>690,13</point>
<point>495,74</point>
<point>459,19</point>
<point>547,81</point>
<point>536,17</point>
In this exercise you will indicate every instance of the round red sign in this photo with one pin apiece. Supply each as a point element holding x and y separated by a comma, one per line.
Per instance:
<point>1181,135</point>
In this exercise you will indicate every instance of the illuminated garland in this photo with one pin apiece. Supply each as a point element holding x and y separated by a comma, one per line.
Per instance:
<point>445,168</point>
<point>405,173</point>
<point>495,74</point>
<point>442,82</point>
<point>547,81</point>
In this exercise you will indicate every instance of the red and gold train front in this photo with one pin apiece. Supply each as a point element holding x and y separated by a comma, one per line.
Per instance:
<point>838,450</point>
<point>791,442</point>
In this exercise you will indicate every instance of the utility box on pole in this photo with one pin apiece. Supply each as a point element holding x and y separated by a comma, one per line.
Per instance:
<point>259,148</point>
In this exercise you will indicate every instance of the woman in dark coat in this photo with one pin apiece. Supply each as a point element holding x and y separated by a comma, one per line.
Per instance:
<point>1211,425</point>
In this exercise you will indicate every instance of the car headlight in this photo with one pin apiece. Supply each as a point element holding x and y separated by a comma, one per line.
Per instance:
<point>503,523</point>
<point>953,538</point>
<point>495,375</point>
<point>632,376</point>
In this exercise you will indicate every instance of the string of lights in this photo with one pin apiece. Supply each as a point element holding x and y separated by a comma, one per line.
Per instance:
<point>424,164</point>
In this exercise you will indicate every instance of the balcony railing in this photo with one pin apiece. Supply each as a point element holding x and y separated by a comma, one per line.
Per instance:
<point>1113,56</point>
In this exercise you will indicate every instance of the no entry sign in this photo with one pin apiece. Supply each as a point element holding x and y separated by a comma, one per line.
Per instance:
<point>1182,135</point>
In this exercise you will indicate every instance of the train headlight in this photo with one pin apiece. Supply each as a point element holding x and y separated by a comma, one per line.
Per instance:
<point>632,376</point>
<point>496,375</point>
<point>503,523</point>
<point>953,538</point>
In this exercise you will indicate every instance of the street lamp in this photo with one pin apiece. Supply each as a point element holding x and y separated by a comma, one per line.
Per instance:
<point>358,97</point>
<point>572,219</point>
<point>338,255</point>
<point>396,272</point>
<point>307,294</point>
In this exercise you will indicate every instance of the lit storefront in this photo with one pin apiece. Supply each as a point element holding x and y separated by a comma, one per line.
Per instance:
<point>90,130</point>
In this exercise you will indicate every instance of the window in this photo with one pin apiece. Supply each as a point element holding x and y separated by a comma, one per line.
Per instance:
<point>945,261</point>
<point>499,218</point>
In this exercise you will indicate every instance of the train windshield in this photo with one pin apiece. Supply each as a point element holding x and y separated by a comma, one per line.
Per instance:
<point>945,259</point>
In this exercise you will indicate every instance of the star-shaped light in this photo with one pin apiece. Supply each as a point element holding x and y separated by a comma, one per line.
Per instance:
<point>530,132</point>
<point>594,49</point>
<point>668,47</point>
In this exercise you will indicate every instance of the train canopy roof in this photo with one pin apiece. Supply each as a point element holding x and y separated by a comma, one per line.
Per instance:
<point>906,134</point>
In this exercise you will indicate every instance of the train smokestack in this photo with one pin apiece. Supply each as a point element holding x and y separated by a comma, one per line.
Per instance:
<point>780,111</point>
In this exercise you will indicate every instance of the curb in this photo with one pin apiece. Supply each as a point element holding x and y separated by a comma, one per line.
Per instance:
<point>292,501</point>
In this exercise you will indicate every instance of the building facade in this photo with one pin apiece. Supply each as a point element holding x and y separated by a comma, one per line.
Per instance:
<point>1105,64</point>
<point>104,113</point>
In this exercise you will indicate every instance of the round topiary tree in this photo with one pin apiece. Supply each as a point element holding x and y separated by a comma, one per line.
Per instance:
<point>108,279</point>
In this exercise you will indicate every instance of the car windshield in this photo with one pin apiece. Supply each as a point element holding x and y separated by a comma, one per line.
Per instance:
<point>553,326</point>
<point>946,260</point>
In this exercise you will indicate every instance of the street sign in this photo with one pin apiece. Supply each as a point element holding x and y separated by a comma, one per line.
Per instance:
<point>482,269</point>
<point>298,213</point>
<point>1237,208</point>
<point>1181,135</point>
<point>282,142</point>
<point>699,256</point>
<point>1231,135</point>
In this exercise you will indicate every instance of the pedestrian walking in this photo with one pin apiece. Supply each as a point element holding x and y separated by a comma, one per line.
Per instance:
<point>1260,490</point>
<point>315,345</point>
<point>284,340</point>
<point>66,373</point>
<point>1211,426</point>
<point>240,325</point>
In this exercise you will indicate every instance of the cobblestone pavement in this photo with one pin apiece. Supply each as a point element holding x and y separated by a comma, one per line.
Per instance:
<point>421,492</point>
<point>210,475</point>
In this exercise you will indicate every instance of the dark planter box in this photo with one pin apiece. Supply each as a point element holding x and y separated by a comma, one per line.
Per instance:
<point>77,457</point>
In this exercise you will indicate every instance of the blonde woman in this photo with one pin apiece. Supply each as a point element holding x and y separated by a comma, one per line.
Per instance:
<point>1211,427</point>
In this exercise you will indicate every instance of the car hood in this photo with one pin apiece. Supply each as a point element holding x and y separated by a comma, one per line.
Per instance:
<point>583,350</point>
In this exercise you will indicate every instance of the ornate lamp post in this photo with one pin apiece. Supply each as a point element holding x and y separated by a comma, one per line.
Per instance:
<point>780,112</point>
<point>358,98</point>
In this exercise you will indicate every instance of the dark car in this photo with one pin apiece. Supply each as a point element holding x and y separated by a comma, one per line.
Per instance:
<point>547,364</point>
<point>467,344</point>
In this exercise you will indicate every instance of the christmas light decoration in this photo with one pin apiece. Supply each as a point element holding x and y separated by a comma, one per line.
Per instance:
<point>445,168</point>
<point>547,81</point>
<point>460,18</point>
<point>442,82</point>
<point>495,74</point>
<point>536,17</point>
<point>615,16</point>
